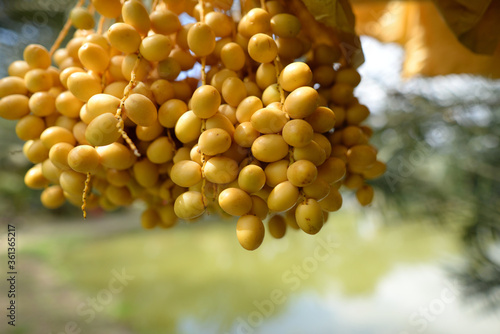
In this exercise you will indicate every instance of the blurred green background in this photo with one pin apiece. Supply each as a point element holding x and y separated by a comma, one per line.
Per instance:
<point>423,258</point>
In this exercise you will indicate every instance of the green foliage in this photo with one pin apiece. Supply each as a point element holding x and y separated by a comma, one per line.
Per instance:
<point>443,144</point>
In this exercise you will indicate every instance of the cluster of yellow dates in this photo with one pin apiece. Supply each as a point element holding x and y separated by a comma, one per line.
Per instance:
<point>230,114</point>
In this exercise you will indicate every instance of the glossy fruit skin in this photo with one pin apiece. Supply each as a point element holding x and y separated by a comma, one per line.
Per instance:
<point>267,126</point>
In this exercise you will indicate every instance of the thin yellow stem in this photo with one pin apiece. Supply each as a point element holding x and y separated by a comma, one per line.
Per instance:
<point>64,31</point>
<point>203,121</point>
<point>202,10</point>
<point>203,163</point>
<point>203,192</point>
<point>203,59</point>
<point>203,70</point>
<point>100,25</point>
<point>118,114</point>
<point>170,139</point>
<point>153,6</point>
<point>277,66</point>
<point>291,159</point>
<point>103,79</point>
<point>86,189</point>
<point>91,8</point>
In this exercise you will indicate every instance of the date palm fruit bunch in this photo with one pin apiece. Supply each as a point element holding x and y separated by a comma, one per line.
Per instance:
<point>236,114</point>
